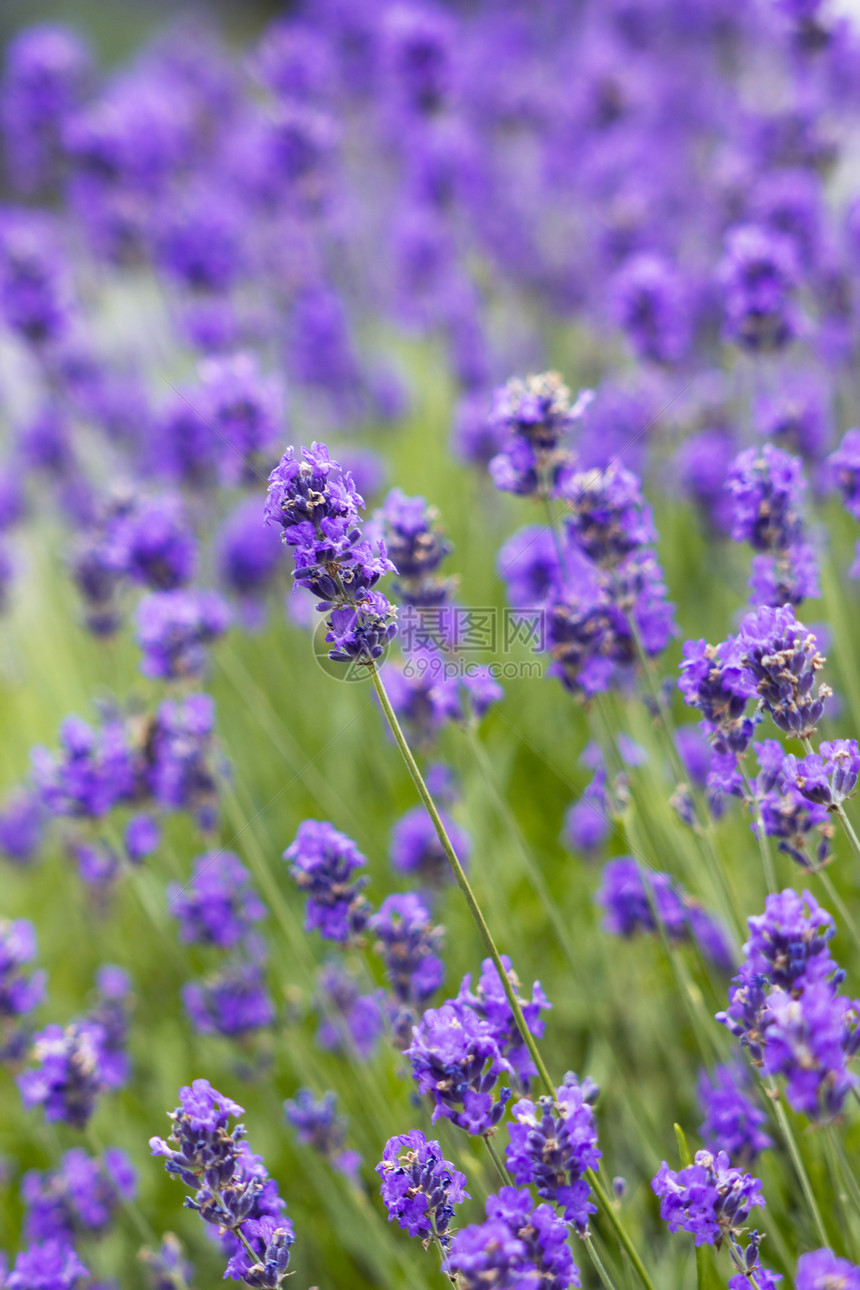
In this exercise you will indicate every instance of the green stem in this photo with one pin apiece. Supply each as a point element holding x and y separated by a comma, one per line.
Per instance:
<point>799,1166</point>
<point>462,880</point>
<point>599,1268</point>
<point>486,936</point>
<point>845,1165</point>
<point>501,1168</point>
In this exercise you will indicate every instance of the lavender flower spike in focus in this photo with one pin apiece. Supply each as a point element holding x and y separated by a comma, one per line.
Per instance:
<point>553,1144</point>
<point>709,1199</point>
<point>232,1190</point>
<point>518,1245</point>
<point>318,508</point>
<point>782,657</point>
<point>419,1187</point>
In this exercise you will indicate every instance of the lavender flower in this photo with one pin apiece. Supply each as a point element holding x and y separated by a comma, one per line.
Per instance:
<point>553,1143</point>
<point>233,1191</point>
<point>317,505</point>
<point>537,416</point>
<point>709,1199</point>
<point>51,1264</point>
<point>809,1040</point>
<point>829,777</point>
<point>607,517</point>
<point>68,1075</point>
<point>416,546</point>
<point>318,1124</point>
<point>46,71</point>
<point>416,850</point>
<point>714,679</point>
<point>219,905</point>
<point>649,301</point>
<point>351,1022</point>
<point>758,275</point>
<point>820,1269</point>
<point>407,942</point>
<point>632,906</point>
<point>766,486</point>
<point>516,1245</point>
<point>456,1057</point>
<point>419,1187</point>
<point>173,628</point>
<point>21,826</point>
<point>789,942</point>
<point>233,1001</point>
<point>180,763</point>
<point>322,861</point>
<point>489,1001</point>
<point>93,772</point>
<point>733,1123</point>
<point>80,1197</point>
<point>21,990</point>
<point>244,409</point>
<point>782,657</point>
<point>844,465</point>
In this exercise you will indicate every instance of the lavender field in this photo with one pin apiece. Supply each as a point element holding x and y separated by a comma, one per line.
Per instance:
<point>429,543</point>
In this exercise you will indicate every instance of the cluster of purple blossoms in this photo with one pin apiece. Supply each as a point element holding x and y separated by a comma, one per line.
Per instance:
<point>21,989</point>
<point>635,902</point>
<point>430,687</point>
<point>610,602</point>
<point>733,1123</point>
<point>318,1124</point>
<point>234,999</point>
<point>785,1010</point>
<point>536,417</point>
<point>232,1190</point>
<point>323,862</point>
<point>518,1245</point>
<point>782,657</point>
<point>553,1144</point>
<point>407,941</point>
<point>174,628</point>
<point>416,850</point>
<point>351,1022</point>
<point>317,505</point>
<point>715,681</point>
<point>79,1197</point>
<point>48,1263</point>
<point>73,1065</point>
<point>826,778</point>
<point>650,301</point>
<point>490,1002</point>
<point>456,1057</point>
<point>709,1199</point>
<point>801,825</point>
<point>244,409</point>
<point>758,276</point>
<point>821,1269</point>
<point>420,1187</point>
<point>219,904</point>
<point>145,541</point>
<point>766,486</point>
<point>47,70</point>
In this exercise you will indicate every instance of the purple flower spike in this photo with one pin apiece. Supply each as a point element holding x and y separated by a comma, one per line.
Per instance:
<point>709,1199</point>
<point>419,1187</point>
<point>322,861</point>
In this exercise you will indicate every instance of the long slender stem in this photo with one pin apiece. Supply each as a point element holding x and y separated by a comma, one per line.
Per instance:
<point>501,1168</point>
<point>486,936</point>
<point>605,1278</point>
<point>799,1166</point>
<point>462,881</point>
<point>845,1164</point>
